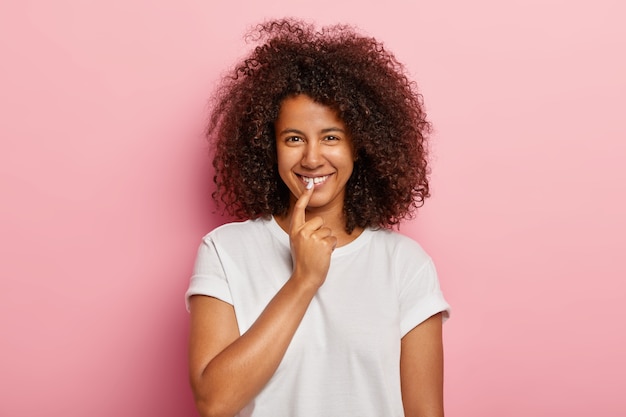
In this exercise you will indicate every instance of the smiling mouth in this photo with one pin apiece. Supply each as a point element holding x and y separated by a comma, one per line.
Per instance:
<point>316,180</point>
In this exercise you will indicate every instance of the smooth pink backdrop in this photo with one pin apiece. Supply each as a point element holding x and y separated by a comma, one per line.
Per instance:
<point>105,195</point>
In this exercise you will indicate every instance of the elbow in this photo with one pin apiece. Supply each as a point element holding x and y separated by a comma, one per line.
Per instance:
<point>208,407</point>
<point>214,400</point>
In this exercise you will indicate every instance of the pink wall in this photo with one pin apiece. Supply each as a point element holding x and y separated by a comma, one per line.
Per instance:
<point>104,189</point>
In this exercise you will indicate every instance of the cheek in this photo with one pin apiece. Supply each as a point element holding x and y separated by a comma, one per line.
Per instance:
<point>284,161</point>
<point>343,158</point>
<point>287,158</point>
<point>281,161</point>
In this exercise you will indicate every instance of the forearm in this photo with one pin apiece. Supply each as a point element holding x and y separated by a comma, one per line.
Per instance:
<point>237,374</point>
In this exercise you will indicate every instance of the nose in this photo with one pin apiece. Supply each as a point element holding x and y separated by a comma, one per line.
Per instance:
<point>312,157</point>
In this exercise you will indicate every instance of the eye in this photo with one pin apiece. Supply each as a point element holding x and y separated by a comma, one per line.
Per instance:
<point>331,138</point>
<point>293,139</point>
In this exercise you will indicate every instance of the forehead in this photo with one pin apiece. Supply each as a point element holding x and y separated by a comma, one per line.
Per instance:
<point>302,109</point>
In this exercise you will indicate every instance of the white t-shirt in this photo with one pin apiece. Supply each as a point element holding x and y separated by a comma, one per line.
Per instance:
<point>344,359</point>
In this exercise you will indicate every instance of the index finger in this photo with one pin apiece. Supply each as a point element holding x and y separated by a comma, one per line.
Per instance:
<point>298,217</point>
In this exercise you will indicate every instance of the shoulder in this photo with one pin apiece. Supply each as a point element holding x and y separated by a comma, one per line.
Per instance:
<point>236,240</point>
<point>236,230</point>
<point>238,237</point>
<point>399,245</point>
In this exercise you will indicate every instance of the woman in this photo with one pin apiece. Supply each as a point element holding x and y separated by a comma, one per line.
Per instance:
<point>312,306</point>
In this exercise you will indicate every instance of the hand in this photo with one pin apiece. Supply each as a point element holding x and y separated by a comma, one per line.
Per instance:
<point>311,244</point>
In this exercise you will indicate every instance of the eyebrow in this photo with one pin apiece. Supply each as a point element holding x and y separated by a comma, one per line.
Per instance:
<point>299,132</point>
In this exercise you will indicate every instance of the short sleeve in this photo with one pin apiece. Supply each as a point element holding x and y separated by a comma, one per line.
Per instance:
<point>421,297</point>
<point>208,276</point>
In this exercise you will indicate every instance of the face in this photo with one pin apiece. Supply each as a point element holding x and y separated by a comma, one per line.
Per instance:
<point>312,142</point>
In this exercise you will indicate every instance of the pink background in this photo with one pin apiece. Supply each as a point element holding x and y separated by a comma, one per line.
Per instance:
<point>105,184</point>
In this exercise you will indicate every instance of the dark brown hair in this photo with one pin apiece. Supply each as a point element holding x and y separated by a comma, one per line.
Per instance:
<point>354,75</point>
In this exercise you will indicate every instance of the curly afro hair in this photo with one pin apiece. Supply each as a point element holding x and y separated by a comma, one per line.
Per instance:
<point>352,74</point>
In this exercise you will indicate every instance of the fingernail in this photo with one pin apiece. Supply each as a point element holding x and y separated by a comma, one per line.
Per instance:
<point>309,185</point>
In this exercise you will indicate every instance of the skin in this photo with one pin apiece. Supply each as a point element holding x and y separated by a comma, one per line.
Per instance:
<point>227,370</point>
<point>421,369</point>
<point>312,142</point>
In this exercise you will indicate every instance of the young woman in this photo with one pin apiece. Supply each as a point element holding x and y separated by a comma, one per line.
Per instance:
<point>312,305</point>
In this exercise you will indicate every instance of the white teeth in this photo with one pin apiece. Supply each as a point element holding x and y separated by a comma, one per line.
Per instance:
<point>317,180</point>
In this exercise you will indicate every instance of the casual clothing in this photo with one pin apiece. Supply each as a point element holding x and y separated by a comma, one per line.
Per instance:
<point>344,359</point>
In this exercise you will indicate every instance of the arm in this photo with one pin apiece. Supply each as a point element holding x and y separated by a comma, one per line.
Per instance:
<point>421,369</point>
<point>228,370</point>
